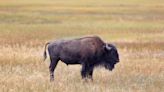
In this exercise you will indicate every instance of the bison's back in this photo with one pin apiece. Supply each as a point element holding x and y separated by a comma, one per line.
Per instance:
<point>90,43</point>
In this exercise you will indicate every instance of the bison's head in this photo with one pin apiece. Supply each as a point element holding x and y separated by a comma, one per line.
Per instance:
<point>110,57</point>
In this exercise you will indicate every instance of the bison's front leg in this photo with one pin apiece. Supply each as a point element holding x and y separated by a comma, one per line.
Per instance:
<point>52,66</point>
<point>90,73</point>
<point>84,71</point>
<point>87,71</point>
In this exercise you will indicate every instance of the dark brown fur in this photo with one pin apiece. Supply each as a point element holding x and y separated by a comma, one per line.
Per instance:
<point>87,51</point>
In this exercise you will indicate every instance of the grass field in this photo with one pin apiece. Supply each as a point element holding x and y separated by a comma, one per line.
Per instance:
<point>136,27</point>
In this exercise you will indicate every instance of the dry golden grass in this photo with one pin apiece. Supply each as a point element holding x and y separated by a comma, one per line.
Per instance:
<point>22,69</point>
<point>134,26</point>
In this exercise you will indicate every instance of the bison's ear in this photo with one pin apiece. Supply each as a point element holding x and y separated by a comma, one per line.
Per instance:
<point>107,47</point>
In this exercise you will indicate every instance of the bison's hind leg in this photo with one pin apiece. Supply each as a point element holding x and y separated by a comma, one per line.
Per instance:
<point>53,63</point>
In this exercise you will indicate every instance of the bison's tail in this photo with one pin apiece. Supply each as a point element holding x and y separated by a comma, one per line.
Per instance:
<point>45,54</point>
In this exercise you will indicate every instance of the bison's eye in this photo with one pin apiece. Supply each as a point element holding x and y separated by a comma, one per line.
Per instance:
<point>112,52</point>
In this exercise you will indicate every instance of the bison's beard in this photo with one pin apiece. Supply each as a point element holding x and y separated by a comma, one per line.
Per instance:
<point>109,67</point>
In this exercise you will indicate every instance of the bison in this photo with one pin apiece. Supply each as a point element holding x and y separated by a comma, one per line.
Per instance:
<point>88,51</point>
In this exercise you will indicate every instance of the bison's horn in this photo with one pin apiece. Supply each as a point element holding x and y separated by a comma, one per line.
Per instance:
<point>108,47</point>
